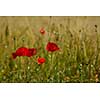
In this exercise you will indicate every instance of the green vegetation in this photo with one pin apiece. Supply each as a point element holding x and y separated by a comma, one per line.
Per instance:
<point>78,59</point>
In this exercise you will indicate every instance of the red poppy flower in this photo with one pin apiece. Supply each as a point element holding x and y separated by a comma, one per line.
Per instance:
<point>31,52</point>
<point>52,47</point>
<point>23,51</point>
<point>41,60</point>
<point>42,31</point>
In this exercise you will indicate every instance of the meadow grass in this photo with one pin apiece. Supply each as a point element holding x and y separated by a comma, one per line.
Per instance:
<point>78,59</point>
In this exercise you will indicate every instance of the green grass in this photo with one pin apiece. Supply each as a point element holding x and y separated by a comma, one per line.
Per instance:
<point>78,59</point>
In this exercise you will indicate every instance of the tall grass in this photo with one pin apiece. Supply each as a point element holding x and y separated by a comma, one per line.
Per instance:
<point>77,60</point>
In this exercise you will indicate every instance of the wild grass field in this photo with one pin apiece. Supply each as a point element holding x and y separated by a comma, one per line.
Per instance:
<point>72,57</point>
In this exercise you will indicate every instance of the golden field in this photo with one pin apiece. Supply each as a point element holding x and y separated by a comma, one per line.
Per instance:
<point>78,59</point>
